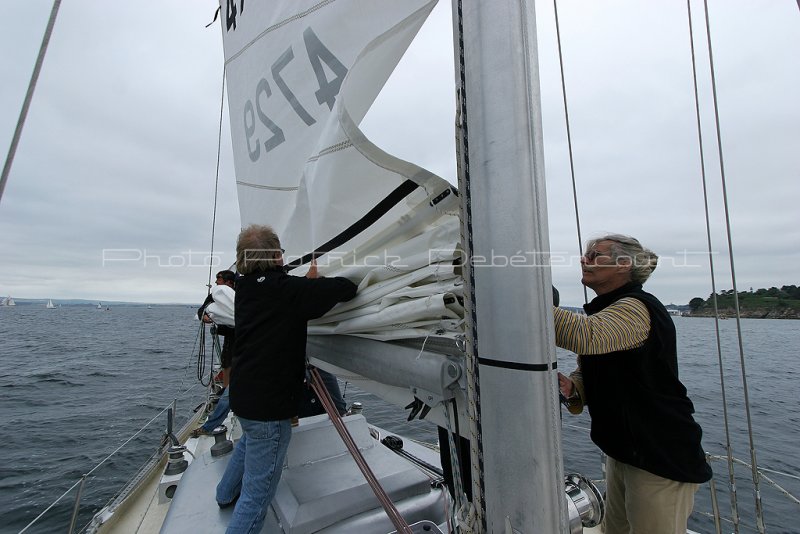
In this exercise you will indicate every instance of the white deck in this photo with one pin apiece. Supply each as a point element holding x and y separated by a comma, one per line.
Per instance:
<point>321,489</point>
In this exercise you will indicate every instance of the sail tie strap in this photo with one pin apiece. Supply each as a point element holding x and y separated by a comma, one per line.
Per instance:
<point>327,402</point>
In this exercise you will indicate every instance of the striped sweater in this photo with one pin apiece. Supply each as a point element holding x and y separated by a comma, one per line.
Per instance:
<point>623,325</point>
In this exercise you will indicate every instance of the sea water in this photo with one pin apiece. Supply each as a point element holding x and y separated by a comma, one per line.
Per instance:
<point>78,382</point>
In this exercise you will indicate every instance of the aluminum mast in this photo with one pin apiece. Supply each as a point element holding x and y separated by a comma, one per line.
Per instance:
<point>505,236</point>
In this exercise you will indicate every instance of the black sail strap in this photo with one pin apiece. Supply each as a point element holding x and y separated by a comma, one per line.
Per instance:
<point>380,209</point>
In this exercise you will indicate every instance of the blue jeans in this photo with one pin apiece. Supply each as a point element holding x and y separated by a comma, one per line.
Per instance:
<point>220,412</point>
<point>253,472</point>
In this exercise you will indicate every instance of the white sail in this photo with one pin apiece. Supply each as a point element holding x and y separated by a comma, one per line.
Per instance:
<point>50,305</point>
<point>300,79</point>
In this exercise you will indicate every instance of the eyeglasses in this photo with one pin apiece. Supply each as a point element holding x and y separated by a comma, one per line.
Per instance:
<point>594,254</point>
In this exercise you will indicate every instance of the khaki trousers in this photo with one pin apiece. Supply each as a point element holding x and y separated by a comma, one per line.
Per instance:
<point>639,502</point>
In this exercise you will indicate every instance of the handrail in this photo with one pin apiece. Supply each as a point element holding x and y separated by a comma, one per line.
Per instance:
<point>761,471</point>
<point>29,525</point>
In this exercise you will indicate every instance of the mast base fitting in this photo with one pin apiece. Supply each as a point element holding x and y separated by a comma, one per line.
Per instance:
<point>585,503</point>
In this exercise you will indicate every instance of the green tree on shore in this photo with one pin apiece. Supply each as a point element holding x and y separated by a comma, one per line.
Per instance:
<point>787,296</point>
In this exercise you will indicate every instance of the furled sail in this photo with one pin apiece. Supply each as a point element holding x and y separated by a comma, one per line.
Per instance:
<point>301,76</point>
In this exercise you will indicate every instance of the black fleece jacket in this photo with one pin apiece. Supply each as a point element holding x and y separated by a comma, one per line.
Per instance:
<point>641,414</point>
<point>272,311</point>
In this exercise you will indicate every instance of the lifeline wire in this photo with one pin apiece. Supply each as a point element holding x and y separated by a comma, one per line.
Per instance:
<point>95,468</point>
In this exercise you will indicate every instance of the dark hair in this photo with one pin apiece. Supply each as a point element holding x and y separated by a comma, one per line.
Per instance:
<point>228,276</point>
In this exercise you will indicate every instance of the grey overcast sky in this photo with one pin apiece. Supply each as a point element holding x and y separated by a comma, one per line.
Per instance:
<point>112,189</point>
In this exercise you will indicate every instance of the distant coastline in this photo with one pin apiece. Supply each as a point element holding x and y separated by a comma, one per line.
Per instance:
<point>91,303</point>
<point>772,303</point>
<point>755,313</point>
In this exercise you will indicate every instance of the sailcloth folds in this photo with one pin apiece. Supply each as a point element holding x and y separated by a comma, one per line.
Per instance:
<point>221,310</point>
<point>301,76</point>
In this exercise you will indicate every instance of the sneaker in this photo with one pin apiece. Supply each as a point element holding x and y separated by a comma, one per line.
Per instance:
<point>200,431</point>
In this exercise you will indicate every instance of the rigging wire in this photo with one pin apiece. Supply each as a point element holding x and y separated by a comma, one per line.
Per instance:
<point>730,458</point>
<point>23,114</point>
<point>216,179</point>
<point>569,139</point>
<point>728,446</point>
<point>754,463</point>
<point>201,353</point>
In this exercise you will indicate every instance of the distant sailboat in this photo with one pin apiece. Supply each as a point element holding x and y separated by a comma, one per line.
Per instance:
<point>50,305</point>
<point>99,305</point>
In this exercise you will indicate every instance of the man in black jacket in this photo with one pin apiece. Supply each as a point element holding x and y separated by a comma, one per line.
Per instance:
<point>272,312</point>
<point>628,377</point>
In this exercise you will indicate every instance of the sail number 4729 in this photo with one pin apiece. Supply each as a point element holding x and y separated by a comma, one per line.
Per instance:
<point>318,54</point>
